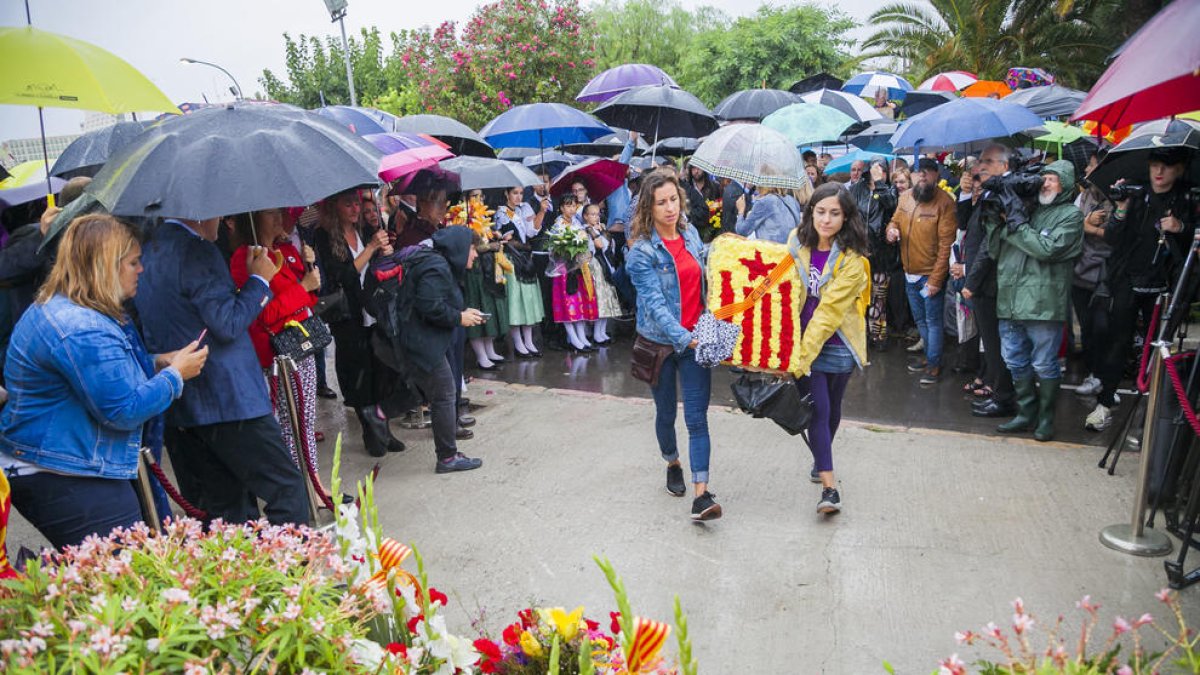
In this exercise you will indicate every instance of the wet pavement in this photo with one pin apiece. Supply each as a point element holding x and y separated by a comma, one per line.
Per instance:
<point>884,393</point>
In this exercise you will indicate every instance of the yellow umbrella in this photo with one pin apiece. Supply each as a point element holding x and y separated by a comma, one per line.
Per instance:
<point>49,70</point>
<point>24,173</point>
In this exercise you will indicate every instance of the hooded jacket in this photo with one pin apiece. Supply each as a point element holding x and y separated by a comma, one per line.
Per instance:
<point>1034,261</point>
<point>431,297</point>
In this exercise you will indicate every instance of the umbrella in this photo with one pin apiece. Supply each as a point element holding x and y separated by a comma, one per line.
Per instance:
<point>621,79</point>
<point>659,112</point>
<point>850,104</point>
<point>551,162</point>
<point>601,177</point>
<point>25,173</point>
<point>1024,78</point>
<point>843,163</point>
<point>917,102</point>
<point>752,153</point>
<point>82,206</point>
<point>49,70</point>
<point>605,146</point>
<point>987,89</point>
<point>542,125</point>
<point>1049,101</point>
<point>674,147</point>
<point>1130,158</point>
<point>805,123</point>
<point>1099,130</point>
<point>483,173</point>
<point>86,154</point>
<point>462,139</point>
<point>962,121</point>
<point>815,82</point>
<point>408,162</point>
<point>752,104</point>
<point>876,137</point>
<point>951,81</point>
<point>1057,134</point>
<point>233,159</point>
<point>647,162</point>
<point>395,141</point>
<point>1157,73</point>
<point>517,154</point>
<point>866,84</point>
<point>28,193</point>
<point>355,119</point>
<point>386,119</point>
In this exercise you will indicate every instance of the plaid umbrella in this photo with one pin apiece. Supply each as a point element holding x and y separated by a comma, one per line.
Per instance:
<point>752,153</point>
<point>1024,78</point>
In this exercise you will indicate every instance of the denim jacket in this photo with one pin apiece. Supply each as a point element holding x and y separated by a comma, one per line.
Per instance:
<point>78,396</point>
<point>652,271</point>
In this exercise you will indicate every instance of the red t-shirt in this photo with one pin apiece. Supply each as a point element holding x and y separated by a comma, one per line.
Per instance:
<point>689,282</point>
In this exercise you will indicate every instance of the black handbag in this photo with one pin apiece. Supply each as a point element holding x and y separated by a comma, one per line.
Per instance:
<point>333,307</point>
<point>782,399</point>
<point>301,339</point>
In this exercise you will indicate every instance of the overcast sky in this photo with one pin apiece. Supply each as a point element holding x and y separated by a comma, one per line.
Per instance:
<point>243,36</point>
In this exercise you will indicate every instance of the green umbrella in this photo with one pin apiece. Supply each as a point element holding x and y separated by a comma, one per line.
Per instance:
<point>808,123</point>
<point>1059,134</point>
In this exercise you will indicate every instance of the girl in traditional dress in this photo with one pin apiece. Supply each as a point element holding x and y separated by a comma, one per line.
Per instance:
<point>608,305</point>
<point>518,222</point>
<point>572,293</point>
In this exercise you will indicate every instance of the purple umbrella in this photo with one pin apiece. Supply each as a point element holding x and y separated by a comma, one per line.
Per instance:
<point>354,119</point>
<point>620,79</point>
<point>397,141</point>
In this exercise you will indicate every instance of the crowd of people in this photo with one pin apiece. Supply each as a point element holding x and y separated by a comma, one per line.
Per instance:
<point>172,333</point>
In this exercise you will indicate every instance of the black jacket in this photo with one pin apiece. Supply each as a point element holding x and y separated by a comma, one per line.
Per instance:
<point>340,274</point>
<point>981,269</point>
<point>431,297</point>
<point>1138,260</point>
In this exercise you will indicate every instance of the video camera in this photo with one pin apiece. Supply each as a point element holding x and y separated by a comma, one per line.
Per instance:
<point>1013,196</point>
<point>1123,191</point>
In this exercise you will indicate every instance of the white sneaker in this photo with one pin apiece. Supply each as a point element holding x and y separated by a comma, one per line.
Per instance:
<point>1099,419</point>
<point>919,347</point>
<point>1089,387</point>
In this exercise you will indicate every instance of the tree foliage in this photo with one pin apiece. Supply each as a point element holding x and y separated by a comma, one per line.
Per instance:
<point>316,67</point>
<point>987,37</point>
<point>646,31</point>
<point>774,47</point>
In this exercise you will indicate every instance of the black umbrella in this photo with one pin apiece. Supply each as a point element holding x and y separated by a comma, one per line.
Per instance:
<point>483,173</point>
<point>605,146</point>
<point>674,147</point>
<point>232,159</point>
<point>815,82</point>
<point>658,112</point>
<point>550,161</point>
<point>86,154</point>
<point>462,139</point>
<point>917,101</point>
<point>82,206</point>
<point>1051,101</point>
<point>876,137</point>
<point>1130,159</point>
<point>752,104</point>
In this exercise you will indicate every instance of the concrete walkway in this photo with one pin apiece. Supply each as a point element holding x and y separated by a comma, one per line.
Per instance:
<point>940,531</point>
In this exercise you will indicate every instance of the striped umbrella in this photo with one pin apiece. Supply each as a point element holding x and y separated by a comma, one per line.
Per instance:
<point>951,81</point>
<point>866,84</point>
<point>850,104</point>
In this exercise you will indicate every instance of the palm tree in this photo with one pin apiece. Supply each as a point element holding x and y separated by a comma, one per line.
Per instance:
<point>987,37</point>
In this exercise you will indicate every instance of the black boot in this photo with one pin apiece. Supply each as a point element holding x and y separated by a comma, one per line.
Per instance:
<point>1027,404</point>
<point>374,430</point>
<point>1047,397</point>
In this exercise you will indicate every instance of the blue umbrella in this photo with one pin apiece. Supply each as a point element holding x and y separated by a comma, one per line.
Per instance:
<point>962,121</point>
<point>542,125</point>
<point>357,120</point>
<point>843,163</point>
<point>866,84</point>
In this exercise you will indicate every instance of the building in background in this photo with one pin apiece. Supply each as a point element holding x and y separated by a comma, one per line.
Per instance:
<point>16,151</point>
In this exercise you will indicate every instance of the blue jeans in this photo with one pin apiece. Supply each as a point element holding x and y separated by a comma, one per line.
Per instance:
<point>1031,347</point>
<point>696,381</point>
<point>929,313</point>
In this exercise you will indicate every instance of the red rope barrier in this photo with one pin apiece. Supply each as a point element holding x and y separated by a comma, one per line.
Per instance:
<point>1143,383</point>
<point>190,509</point>
<point>1180,393</point>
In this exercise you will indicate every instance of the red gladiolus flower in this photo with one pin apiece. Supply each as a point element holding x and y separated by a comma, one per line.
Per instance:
<point>397,648</point>
<point>512,635</point>
<point>592,625</point>
<point>528,620</point>
<point>436,596</point>
<point>616,622</point>
<point>412,623</point>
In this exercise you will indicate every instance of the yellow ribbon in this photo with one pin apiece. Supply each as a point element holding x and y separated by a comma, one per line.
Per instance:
<point>297,324</point>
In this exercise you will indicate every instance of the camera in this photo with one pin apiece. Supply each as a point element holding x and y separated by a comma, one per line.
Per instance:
<point>1123,191</point>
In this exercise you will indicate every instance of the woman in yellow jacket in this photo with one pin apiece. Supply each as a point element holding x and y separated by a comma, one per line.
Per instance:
<point>830,247</point>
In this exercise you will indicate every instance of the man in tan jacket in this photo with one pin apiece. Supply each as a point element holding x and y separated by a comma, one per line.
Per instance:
<point>924,226</point>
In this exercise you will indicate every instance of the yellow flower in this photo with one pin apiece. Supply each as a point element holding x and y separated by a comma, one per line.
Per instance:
<point>530,645</point>
<point>566,624</point>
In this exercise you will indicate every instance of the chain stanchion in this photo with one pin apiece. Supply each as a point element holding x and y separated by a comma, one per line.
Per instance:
<point>1133,537</point>
<point>146,493</point>
<point>285,368</point>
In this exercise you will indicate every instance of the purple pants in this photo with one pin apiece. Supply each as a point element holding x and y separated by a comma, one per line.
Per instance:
<point>827,392</point>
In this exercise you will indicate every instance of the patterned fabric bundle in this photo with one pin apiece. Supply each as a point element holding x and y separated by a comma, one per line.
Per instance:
<point>715,340</point>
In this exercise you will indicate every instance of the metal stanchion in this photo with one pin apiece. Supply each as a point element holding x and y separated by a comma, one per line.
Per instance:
<point>146,492</point>
<point>285,368</point>
<point>1133,537</point>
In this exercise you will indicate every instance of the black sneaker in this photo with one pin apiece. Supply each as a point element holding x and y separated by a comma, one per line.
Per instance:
<point>814,475</point>
<point>675,483</point>
<point>831,501</point>
<point>917,366</point>
<point>459,462</point>
<point>705,507</point>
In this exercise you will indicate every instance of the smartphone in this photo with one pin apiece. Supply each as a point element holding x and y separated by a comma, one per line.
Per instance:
<point>203,334</point>
<point>485,315</point>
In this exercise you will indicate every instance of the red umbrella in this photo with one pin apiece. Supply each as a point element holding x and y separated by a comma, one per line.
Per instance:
<point>601,176</point>
<point>1157,73</point>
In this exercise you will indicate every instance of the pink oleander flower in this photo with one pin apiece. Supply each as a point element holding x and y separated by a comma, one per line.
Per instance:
<point>1124,670</point>
<point>952,665</point>
<point>966,637</point>
<point>1143,620</point>
<point>1120,625</point>
<point>1164,595</point>
<point>1018,606</point>
<point>992,630</point>
<point>1022,623</point>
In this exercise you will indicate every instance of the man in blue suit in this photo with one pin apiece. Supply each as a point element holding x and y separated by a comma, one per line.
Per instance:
<point>224,442</point>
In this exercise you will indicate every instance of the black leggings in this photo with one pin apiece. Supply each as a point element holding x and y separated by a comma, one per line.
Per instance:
<point>1126,308</point>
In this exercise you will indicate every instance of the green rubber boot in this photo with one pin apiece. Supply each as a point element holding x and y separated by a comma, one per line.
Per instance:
<point>1047,397</point>
<point>1026,408</point>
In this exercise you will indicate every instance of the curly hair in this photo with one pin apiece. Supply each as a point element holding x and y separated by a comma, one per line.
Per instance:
<point>643,215</point>
<point>852,236</point>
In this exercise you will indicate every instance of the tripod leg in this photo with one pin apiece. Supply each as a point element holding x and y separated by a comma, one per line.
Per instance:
<point>1117,444</point>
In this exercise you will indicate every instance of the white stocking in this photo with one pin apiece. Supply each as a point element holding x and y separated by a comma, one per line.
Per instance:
<point>519,345</point>
<point>527,332</point>
<point>490,345</point>
<point>481,355</point>
<point>573,336</point>
<point>600,330</point>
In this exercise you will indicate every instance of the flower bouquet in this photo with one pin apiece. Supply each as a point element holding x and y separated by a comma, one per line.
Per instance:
<point>714,213</point>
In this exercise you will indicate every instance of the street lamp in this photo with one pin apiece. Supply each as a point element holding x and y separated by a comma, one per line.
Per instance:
<point>237,87</point>
<point>337,12</point>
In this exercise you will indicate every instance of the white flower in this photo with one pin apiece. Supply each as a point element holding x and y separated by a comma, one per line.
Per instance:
<point>130,604</point>
<point>176,596</point>
<point>152,644</point>
<point>367,653</point>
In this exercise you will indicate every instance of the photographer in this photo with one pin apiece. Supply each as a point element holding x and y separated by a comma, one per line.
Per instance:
<point>1150,243</point>
<point>1035,249</point>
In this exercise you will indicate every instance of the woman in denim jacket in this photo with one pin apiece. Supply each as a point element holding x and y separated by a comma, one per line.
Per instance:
<point>81,385</point>
<point>666,266</point>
